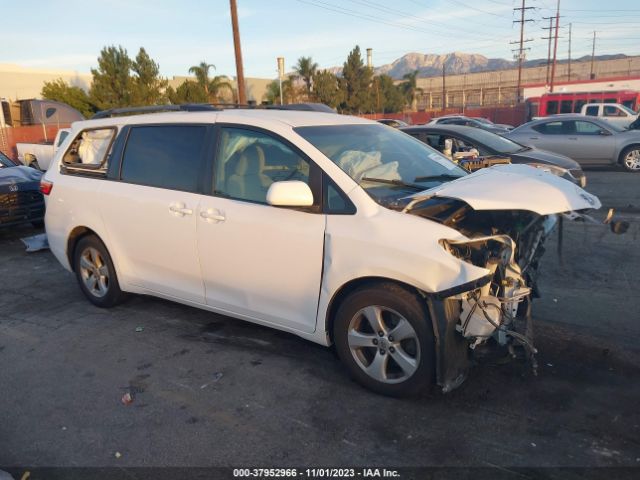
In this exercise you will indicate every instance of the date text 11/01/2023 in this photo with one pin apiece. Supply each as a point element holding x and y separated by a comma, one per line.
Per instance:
<point>315,473</point>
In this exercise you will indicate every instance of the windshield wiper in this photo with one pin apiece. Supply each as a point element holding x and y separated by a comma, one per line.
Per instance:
<point>442,176</point>
<point>398,183</point>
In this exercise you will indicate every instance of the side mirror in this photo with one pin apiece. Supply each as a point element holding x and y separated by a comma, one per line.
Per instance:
<point>290,193</point>
<point>50,112</point>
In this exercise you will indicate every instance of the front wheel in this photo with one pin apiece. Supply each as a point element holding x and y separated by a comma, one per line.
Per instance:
<point>384,337</point>
<point>630,158</point>
<point>95,273</point>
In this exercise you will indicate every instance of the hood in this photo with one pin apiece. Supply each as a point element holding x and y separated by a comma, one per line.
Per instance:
<point>543,156</point>
<point>513,187</point>
<point>21,176</point>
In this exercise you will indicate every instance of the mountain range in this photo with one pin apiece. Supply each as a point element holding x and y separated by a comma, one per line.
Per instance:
<point>429,65</point>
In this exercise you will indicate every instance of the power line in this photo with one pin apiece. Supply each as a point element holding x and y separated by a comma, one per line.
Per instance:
<point>522,41</point>
<point>373,18</point>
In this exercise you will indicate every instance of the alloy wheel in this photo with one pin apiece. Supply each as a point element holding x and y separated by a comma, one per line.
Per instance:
<point>384,344</point>
<point>632,160</point>
<point>94,272</point>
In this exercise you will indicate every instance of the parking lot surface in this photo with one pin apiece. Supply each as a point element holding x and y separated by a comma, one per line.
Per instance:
<point>210,390</point>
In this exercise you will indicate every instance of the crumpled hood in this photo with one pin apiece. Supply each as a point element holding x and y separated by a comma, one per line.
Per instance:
<point>514,187</point>
<point>25,177</point>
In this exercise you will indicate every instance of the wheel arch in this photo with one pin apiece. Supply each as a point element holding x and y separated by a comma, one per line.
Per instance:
<point>74,237</point>
<point>624,149</point>
<point>341,293</point>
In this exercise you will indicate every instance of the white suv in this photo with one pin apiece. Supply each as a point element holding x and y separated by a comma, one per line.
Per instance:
<point>337,229</point>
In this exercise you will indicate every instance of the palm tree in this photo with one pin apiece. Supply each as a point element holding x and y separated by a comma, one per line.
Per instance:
<point>202,74</point>
<point>306,69</point>
<point>409,86</point>
<point>211,86</point>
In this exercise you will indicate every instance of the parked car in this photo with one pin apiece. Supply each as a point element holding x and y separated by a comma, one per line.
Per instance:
<point>39,155</point>
<point>392,122</point>
<point>614,113</point>
<point>469,122</point>
<point>334,228</point>
<point>489,144</point>
<point>20,197</point>
<point>589,141</point>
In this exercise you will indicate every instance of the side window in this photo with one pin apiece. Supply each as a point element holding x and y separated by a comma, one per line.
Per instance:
<point>612,111</point>
<point>165,156</point>
<point>592,111</point>
<point>89,152</point>
<point>62,137</point>
<point>552,107</point>
<point>248,162</point>
<point>577,106</point>
<point>549,128</point>
<point>566,106</point>
<point>587,128</point>
<point>335,202</point>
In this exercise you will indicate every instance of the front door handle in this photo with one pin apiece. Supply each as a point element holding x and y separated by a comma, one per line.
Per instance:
<point>533,138</point>
<point>180,209</point>
<point>211,215</point>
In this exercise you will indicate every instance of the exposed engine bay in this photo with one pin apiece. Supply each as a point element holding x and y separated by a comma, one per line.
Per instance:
<point>509,244</point>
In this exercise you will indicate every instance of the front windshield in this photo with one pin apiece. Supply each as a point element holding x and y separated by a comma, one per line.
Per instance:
<point>628,110</point>
<point>495,142</point>
<point>387,163</point>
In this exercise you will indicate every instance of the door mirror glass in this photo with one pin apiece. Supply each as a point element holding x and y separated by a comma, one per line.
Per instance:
<point>289,193</point>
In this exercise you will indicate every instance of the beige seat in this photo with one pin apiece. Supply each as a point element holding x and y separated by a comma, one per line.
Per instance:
<point>249,181</point>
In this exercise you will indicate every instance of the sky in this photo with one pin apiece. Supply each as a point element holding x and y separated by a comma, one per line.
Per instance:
<point>69,34</point>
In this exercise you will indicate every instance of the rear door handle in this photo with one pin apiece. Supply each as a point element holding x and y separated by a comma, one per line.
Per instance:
<point>573,138</point>
<point>180,209</point>
<point>533,138</point>
<point>211,215</point>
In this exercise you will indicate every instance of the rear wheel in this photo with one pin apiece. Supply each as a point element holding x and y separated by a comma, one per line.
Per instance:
<point>384,337</point>
<point>96,274</point>
<point>630,158</point>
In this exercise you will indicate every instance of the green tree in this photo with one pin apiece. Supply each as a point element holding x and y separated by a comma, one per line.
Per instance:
<point>356,83</point>
<point>73,96</point>
<point>306,69</point>
<point>187,92</point>
<point>388,97</point>
<point>149,87</point>
<point>326,86</point>
<point>212,86</point>
<point>112,81</point>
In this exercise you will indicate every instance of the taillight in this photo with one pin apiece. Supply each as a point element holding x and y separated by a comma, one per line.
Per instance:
<point>46,187</point>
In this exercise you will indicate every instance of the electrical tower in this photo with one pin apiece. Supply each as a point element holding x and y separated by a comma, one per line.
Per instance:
<point>521,43</point>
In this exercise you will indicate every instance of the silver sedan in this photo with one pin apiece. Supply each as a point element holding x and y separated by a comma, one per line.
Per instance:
<point>589,141</point>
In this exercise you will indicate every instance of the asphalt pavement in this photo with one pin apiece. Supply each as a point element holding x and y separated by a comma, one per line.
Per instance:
<point>208,390</point>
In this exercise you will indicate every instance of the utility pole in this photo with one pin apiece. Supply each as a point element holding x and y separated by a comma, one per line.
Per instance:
<point>242,97</point>
<point>522,41</point>
<point>444,89</point>
<point>280,75</point>
<point>593,54</point>
<point>569,64</point>
<point>555,49</point>
<point>549,37</point>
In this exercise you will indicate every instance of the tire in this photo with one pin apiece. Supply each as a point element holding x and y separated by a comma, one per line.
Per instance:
<point>388,365</point>
<point>630,158</point>
<point>96,274</point>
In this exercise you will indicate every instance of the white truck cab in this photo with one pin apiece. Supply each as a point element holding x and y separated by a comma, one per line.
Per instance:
<point>612,112</point>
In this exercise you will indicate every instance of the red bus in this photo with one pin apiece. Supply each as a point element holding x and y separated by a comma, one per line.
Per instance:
<point>572,102</point>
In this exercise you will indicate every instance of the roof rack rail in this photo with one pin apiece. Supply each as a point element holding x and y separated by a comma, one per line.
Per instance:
<point>189,107</point>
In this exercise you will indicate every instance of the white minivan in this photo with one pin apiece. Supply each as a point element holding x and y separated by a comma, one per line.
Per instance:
<point>337,229</point>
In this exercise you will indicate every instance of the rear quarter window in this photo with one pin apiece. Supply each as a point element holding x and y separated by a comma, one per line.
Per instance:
<point>89,152</point>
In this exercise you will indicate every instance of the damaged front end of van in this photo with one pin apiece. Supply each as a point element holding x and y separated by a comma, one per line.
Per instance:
<point>505,214</point>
